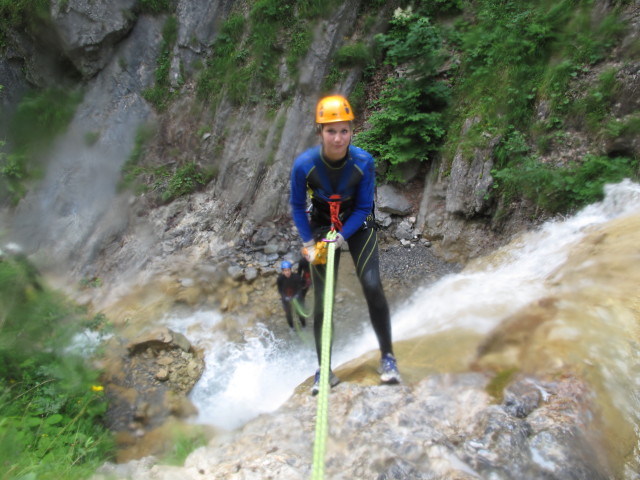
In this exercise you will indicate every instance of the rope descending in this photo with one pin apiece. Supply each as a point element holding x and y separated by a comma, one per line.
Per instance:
<point>322,424</point>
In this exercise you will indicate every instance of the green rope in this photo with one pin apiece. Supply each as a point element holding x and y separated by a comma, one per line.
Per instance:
<point>298,308</point>
<point>322,423</point>
<point>301,335</point>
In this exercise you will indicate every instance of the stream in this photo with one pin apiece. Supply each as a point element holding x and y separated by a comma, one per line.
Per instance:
<point>578,277</point>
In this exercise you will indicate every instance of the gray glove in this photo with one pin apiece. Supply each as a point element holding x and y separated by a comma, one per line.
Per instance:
<point>309,250</point>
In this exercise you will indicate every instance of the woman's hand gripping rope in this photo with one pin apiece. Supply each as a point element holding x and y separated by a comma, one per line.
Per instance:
<point>309,251</point>
<point>316,253</point>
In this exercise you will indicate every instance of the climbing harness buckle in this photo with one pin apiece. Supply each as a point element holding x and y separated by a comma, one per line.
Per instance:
<point>334,209</point>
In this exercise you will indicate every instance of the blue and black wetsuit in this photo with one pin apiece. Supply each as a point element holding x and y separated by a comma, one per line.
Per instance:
<point>290,288</point>
<point>353,179</point>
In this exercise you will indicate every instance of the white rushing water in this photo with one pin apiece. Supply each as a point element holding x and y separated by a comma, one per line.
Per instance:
<point>243,380</point>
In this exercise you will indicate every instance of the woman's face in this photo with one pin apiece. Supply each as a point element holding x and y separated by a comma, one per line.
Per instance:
<point>336,138</point>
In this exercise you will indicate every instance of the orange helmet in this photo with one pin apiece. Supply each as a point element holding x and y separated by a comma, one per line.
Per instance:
<point>334,108</point>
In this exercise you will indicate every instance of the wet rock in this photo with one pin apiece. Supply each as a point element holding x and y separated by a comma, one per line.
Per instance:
<point>390,200</point>
<point>443,426</point>
<point>162,374</point>
<point>521,398</point>
<point>250,274</point>
<point>270,248</point>
<point>158,339</point>
<point>404,231</point>
<point>264,235</point>
<point>149,382</point>
<point>235,272</point>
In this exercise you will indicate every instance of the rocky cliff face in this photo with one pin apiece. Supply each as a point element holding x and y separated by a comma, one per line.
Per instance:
<point>75,218</point>
<point>76,221</point>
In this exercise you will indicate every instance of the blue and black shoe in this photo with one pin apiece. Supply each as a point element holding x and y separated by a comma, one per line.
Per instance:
<point>333,381</point>
<point>389,369</point>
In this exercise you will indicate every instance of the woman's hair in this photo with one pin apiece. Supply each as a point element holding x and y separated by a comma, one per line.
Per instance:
<point>320,126</point>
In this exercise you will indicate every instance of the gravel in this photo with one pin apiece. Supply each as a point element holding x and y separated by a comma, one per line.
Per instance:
<point>404,268</point>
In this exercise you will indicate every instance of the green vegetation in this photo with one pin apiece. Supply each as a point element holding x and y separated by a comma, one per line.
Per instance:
<point>167,182</point>
<point>186,179</point>
<point>227,63</point>
<point>132,169</point>
<point>41,116</point>
<point>243,65</point>
<point>408,120</point>
<point>516,55</point>
<point>620,128</point>
<point>562,189</point>
<point>523,71</point>
<point>595,106</point>
<point>51,403</point>
<point>183,444</point>
<point>504,59</point>
<point>161,93</point>
<point>21,15</point>
<point>91,138</point>
<point>299,43</point>
<point>157,6</point>
<point>499,382</point>
<point>356,54</point>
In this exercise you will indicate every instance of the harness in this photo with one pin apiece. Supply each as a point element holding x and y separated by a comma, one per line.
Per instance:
<point>328,194</point>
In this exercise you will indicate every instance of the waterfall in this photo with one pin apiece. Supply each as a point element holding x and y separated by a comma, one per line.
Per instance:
<point>243,380</point>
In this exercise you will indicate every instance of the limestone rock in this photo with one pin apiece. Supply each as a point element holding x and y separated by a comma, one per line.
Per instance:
<point>89,31</point>
<point>390,200</point>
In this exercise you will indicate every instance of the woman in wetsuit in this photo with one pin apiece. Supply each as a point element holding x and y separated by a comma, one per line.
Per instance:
<point>341,180</point>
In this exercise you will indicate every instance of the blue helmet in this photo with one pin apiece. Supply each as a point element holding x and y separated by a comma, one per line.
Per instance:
<point>285,264</point>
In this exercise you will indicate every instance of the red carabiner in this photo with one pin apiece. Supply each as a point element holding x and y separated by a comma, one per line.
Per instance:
<point>334,209</point>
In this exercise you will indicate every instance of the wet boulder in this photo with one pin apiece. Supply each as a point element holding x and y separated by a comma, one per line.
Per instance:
<point>147,383</point>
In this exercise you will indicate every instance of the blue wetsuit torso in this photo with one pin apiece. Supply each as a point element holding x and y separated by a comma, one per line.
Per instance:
<point>352,178</point>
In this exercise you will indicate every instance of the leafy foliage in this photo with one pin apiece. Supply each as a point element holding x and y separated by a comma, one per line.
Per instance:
<point>247,52</point>
<point>161,93</point>
<point>157,6</point>
<point>41,116</point>
<point>354,54</point>
<point>595,106</point>
<point>21,15</point>
<point>51,406</point>
<point>132,169</point>
<point>516,56</point>
<point>168,183</point>
<point>226,58</point>
<point>408,121</point>
<point>187,179</point>
<point>563,189</point>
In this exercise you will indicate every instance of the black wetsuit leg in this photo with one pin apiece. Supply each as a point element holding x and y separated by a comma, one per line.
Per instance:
<point>286,304</point>
<point>301,307</point>
<point>363,246</point>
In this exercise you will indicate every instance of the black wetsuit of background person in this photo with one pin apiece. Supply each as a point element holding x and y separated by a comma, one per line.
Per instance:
<point>290,287</point>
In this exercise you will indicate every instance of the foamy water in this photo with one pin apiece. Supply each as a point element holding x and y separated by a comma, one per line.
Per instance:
<point>243,380</point>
